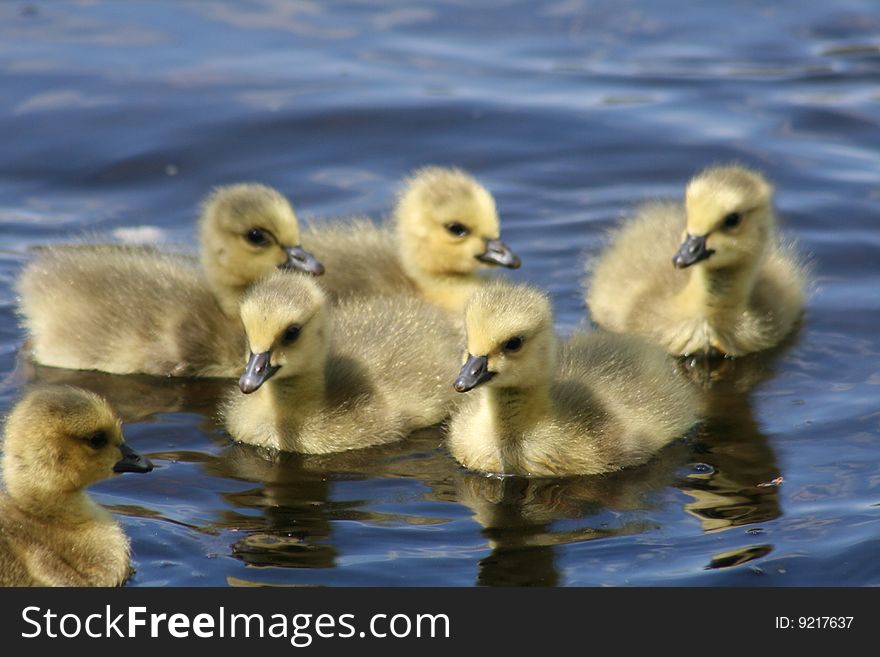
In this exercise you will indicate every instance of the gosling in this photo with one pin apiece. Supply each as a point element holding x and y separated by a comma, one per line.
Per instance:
<point>376,372</point>
<point>604,403</point>
<point>128,310</point>
<point>732,288</point>
<point>445,228</point>
<point>57,441</point>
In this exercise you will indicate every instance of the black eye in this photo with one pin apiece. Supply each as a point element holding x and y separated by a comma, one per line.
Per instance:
<point>514,344</point>
<point>97,440</point>
<point>457,229</point>
<point>257,237</point>
<point>291,334</point>
<point>732,220</point>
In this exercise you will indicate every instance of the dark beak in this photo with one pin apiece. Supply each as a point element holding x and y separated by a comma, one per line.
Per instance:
<point>299,258</point>
<point>257,371</point>
<point>474,372</point>
<point>691,251</point>
<point>498,253</point>
<point>132,461</point>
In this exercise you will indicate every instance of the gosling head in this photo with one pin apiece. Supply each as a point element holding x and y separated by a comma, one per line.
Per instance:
<point>247,231</point>
<point>448,225</point>
<point>286,325</point>
<point>60,439</point>
<point>729,218</point>
<point>510,338</point>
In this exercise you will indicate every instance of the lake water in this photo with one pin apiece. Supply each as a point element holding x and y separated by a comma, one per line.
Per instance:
<point>118,117</point>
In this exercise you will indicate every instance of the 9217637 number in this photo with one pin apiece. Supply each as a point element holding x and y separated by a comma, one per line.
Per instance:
<point>814,622</point>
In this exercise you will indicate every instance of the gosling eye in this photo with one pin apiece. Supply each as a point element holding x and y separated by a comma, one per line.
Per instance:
<point>257,237</point>
<point>97,440</point>
<point>291,333</point>
<point>513,345</point>
<point>457,229</point>
<point>731,220</point>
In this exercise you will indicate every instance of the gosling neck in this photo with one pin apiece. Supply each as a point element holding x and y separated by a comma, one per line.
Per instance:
<point>227,292</point>
<point>719,293</point>
<point>451,291</point>
<point>295,397</point>
<point>71,507</point>
<point>229,299</point>
<point>515,411</point>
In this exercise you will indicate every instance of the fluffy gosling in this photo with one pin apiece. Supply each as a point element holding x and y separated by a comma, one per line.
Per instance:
<point>732,287</point>
<point>370,374</point>
<point>128,310</point>
<point>57,441</point>
<point>444,229</point>
<point>598,403</point>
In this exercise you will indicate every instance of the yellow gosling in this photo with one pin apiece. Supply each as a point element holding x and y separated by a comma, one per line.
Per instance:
<point>125,310</point>
<point>597,403</point>
<point>58,440</point>
<point>732,287</point>
<point>445,229</point>
<point>373,372</point>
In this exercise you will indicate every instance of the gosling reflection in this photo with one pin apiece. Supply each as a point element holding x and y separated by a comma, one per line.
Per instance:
<point>136,397</point>
<point>293,496</point>
<point>524,518</point>
<point>292,526</point>
<point>731,374</point>
<point>740,486</point>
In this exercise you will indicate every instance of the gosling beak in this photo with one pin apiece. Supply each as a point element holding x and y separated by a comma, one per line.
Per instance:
<point>498,253</point>
<point>691,251</point>
<point>474,372</point>
<point>299,258</point>
<point>132,461</point>
<point>257,371</point>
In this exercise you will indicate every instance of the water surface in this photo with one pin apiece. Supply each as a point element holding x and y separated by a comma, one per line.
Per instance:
<point>118,117</point>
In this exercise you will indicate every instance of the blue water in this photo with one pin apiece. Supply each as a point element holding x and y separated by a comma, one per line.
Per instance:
<point>116,118</point>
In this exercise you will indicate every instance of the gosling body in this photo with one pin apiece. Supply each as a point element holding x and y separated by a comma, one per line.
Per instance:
<point>444,229</point>
<point>322,380</point>
<point>597,403</point>
<point>57,441</point>
<point>362,259</point>
<point>124,310</point>
<point>711,276</point>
